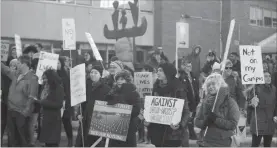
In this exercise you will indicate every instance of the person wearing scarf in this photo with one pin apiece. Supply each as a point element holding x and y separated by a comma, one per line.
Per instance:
<point>96,90</point>
<point>124,92</point>
<point>221,122</point>
<point>167,85</point>
<point>266,107</point>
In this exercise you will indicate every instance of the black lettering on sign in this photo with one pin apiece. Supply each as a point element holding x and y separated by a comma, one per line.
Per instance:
<point>241,128</point>
<point>253,61</point>
<point>246,52</point>
<point>246,78</point>
<point>144,82</point>
<point>168,102</point>
<point>250,68</point>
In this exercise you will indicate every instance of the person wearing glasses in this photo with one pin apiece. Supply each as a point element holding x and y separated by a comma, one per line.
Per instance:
<point>234,83</point>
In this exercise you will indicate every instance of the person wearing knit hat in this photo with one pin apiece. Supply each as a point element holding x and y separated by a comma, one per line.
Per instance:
<point>167,85</point>
<point>216,67</point>
<point>124,92</point>
<point>96,73</point>
<point>115,67</point>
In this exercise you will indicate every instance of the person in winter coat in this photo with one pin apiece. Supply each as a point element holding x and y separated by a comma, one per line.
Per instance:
<point>68,112</point>
<point>234,58</point>
<point>265,102</point>
<point>124,92</point>
<point>195,61</point>
<point>222,121</point>
<point>115,67</point>
<point>89,58</point>
<point>211,59</point>
<point>96,90</point>
<point>191,83</point>
<point>51,101</point>
<point>234,84</point>
<point>167,85</point>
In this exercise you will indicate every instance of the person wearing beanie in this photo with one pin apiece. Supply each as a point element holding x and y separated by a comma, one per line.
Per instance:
<point>234,84</point>
<point>124,92</point>
<point>95,90</point>
<point>115,67</point>
<point>191,83</point>
<point>216,68</point>
<point>167,85</point>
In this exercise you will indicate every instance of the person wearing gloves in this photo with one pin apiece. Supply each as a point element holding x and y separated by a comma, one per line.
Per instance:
<point>223,120</point>
<point>124,92</point>
<point>115,67</point>
<point>266,107</point>
<point>51,102</point>
<point>167,85</point>
<point>96,90</point>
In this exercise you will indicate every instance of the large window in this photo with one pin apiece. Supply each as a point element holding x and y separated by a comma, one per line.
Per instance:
<point>262,17</point>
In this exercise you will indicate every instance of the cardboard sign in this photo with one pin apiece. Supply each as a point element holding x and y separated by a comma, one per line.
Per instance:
<point>241,128</point>
<point>144,83</point>
<point>69,34</point>
<point>94,48</point>
<point>110,121</point>
<point>182,35</point>
<point>18,45</point>
<point>251,65</point>
<point>4,51</point>
<point>78,84</point>
<point>46,61</point>
<point>163,110</point>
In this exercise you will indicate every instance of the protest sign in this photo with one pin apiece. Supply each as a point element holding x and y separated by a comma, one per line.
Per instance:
<point>69,34</point>
<point>163,110</point>
<point>110,121</point>
<point>46,61</point>
<point>182,35</point>
<point>78,84</point>
<point>251,65</point>
<point>18,45</point>
<point>241,128</point>
<point>4,51</point>
<point>144,83</point>
<point>94,48</point>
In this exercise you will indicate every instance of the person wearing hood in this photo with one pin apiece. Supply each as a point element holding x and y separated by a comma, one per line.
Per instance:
<point>96,90</point>
<point>115,67</point>
<point>264,100</point>
<point>191,83</point>
<point>195,61</point>
<point>124,92</point>
<point>67,114</point>
<point>167,85</point>
<point>220,122</point>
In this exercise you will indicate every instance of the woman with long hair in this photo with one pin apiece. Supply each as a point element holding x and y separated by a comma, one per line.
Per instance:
<point>51,101</point>
<point>68,112</point>
<point>220,122</point>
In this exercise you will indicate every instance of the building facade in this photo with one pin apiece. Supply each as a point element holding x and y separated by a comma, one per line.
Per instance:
<point>41,22</point>
<point>209,23</point>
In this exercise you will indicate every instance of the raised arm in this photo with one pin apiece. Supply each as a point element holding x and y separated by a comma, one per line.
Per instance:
<point>7,71</point>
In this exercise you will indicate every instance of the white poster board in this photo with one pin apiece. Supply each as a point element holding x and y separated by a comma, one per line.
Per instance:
<point>241,128</point>
<point>93,47</point>
<point>251,64</point>
<point>69,34</point>
<point>163,110</point>
<point>78,84</point>
<point>46,61</point>
<point>182,35</point>
<point>18,45</point>
<point>144,83</point>
<point>4,51</point>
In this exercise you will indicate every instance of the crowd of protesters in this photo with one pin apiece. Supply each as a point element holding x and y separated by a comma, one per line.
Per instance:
<point>27,106</point>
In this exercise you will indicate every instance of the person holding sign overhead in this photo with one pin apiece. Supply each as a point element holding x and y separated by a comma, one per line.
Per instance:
<point>96,90</point>
<point>167,85</point>
<point>266,106</point>
<point>217,115</point>
<point>124,92</point>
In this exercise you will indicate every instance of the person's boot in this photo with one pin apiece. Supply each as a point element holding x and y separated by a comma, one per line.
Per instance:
<point>70,142</point>
<point>192,134</point>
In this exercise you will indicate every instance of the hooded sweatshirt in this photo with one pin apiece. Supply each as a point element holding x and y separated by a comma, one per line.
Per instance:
<point>195,61</point>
